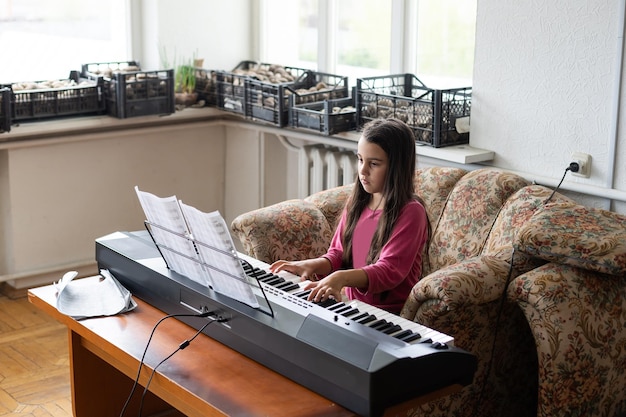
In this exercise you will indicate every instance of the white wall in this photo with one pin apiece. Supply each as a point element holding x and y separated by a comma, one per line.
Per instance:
<point>59,194</point>
<point>545,80</point>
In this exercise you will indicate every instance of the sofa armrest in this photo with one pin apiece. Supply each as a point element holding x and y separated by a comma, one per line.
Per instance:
<point>291,230</point>
<point>464,301</point>
<point>477,280</point>
<point>577,318</point>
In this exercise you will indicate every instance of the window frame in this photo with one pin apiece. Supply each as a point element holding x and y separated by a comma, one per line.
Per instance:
<point>404,35</point>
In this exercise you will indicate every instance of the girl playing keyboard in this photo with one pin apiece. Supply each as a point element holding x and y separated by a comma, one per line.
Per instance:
<point>375,255</point>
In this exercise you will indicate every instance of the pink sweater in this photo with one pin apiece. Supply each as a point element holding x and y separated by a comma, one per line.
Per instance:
<point>399,266</point>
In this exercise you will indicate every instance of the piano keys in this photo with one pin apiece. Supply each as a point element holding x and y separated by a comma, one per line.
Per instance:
<point>368,315</point>
<point>357,355</point>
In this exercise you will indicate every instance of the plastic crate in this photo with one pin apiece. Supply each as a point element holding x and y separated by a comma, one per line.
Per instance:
<point>327,117</point>
<point>140,93</point>
<point>206,86</point>
<point>430,113</point>
<point>269,102</point>
<point>129,92</point>
<point>5,110</point>
<point>230,86</point>
<point>45,99</point>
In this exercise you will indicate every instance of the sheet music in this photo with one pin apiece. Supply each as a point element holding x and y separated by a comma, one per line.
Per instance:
<point>228,278</point>
<point>205,252</point>
<point>166,212</point>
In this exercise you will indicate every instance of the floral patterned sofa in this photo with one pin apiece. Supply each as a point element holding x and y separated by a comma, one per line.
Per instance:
<point>478,286</point>
<point>576,308</point>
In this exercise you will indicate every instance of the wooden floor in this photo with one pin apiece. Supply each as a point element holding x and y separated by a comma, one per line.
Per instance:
<point>34,362</point>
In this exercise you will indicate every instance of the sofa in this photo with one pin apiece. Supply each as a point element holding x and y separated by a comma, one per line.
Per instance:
<point>575,306</point>
<point>485,274</point>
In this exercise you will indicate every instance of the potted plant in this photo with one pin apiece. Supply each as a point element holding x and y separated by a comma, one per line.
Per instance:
<point>185,84</point>
<point>184,78</point>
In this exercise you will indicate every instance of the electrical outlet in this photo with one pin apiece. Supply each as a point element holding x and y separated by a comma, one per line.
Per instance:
<point>584,164</point>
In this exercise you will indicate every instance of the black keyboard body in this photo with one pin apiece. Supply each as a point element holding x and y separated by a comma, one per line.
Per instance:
<point>360,368</point>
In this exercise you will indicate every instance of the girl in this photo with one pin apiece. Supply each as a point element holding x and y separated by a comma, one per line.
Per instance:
<point>376,252</point>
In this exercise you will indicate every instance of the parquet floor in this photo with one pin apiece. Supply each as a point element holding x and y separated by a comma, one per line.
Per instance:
<point>34,362</point>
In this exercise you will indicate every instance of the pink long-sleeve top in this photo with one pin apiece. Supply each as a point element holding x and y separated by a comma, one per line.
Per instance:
<point>399,266</point>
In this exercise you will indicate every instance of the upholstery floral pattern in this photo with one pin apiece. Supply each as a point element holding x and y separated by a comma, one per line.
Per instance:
<point>552,342</point>
<point>331,202</point>
<point>578,320</point>
<point>476,280</point>
<point>463,300</point>
<point>580,236</point>
<point>516,213</point>
<point>505,383</point>
<point>283,231</point>
<point>293,229</point>
<point>470,211</point>
<point>433,186</point>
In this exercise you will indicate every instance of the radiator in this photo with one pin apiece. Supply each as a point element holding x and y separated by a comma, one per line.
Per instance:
<point>322,167</point>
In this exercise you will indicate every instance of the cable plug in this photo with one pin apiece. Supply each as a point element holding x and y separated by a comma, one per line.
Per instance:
<point>580,164</point>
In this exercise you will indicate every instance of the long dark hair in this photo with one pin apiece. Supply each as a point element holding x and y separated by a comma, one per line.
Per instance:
<point>398,142</point>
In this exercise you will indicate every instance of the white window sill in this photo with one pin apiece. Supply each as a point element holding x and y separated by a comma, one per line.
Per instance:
<point>43,132</point>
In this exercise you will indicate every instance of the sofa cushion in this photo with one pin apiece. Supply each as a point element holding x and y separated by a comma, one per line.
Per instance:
<point>433,185</point>
<point>576,235</point>
<point>290,230</point>
<point>514,214</point>
<point>469,214</point>
<point>331,202</point>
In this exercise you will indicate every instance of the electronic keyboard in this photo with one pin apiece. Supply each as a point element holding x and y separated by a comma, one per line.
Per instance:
<point>357,355</point>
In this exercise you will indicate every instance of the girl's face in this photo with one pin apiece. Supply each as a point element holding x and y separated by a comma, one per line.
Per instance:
<point>373,164</point>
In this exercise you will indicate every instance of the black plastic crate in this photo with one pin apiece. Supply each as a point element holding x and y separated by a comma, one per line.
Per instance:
<point>430,113</point>
<point>33,100</point>
<point>269,102</point>
<point>206,86</point>
<point>131,92</point>
<point>5,110</point>
<point>327,117</point>
<point>231,89</point>
<point>140,93</point>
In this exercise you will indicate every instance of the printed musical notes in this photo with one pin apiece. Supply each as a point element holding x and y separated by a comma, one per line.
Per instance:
<point>197,245</point>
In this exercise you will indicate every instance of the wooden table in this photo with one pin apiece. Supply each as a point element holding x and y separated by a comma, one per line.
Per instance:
<point>205,379</point>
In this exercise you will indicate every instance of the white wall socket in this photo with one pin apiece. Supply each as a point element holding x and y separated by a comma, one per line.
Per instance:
<point>584,164</point>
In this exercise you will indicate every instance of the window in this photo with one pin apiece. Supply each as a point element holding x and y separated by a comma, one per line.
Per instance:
<point>445,38</point>
<point>44,40</point>
<point>290,33</point>
<point>360,38</point>
<point>363,37</point>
